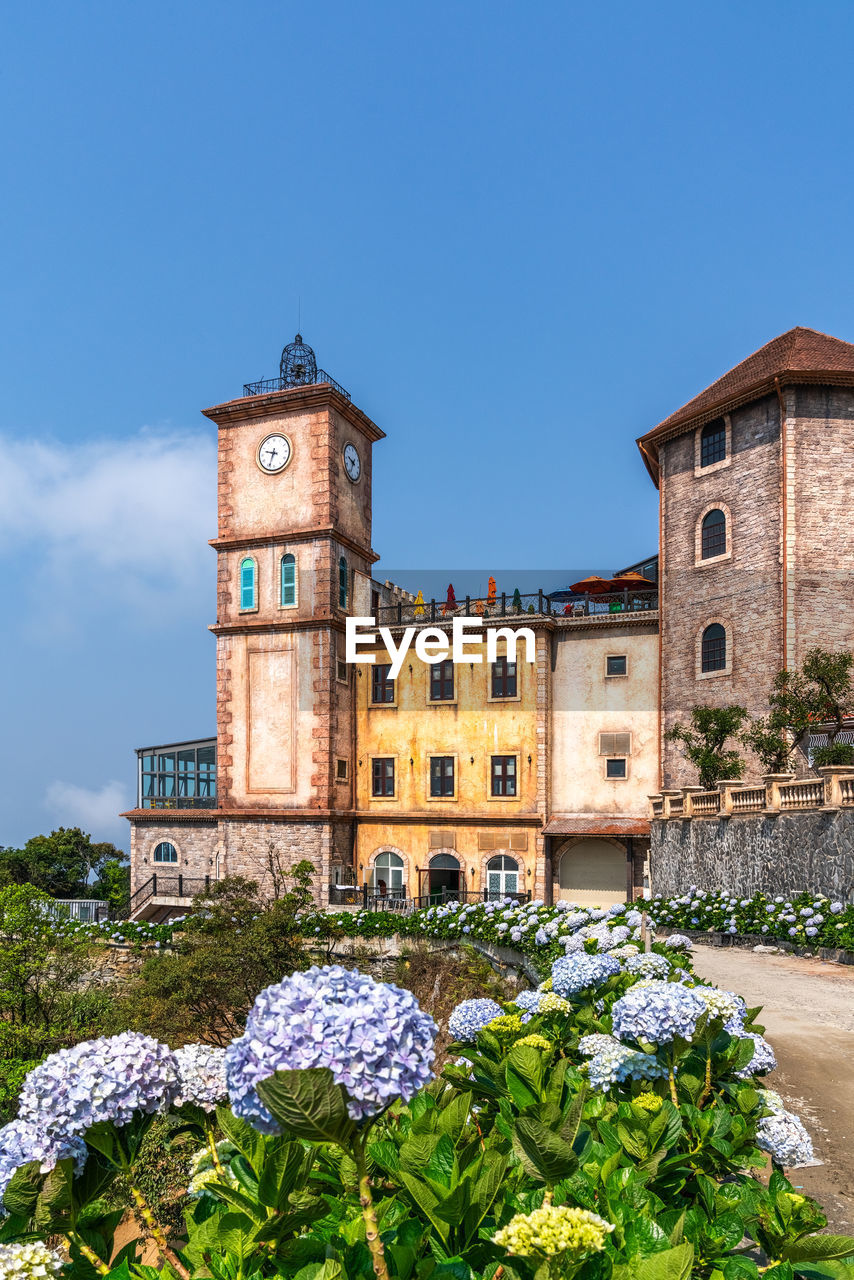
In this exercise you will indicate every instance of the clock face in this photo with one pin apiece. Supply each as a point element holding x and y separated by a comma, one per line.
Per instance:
<point>352,462</point>
<point>274,453</point>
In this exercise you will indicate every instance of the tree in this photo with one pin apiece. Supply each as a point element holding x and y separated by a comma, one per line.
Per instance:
<point>770,743</point>
<point>704,742</point>
<point>113,886</point>
<point>62,864</point>
<point>819,696</point>
<point>236,943</point>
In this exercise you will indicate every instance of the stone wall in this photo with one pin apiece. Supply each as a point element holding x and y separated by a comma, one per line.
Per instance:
<point>786,853</point>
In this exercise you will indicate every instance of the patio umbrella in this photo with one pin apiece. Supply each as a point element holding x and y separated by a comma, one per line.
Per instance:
<point>631,582</point>
<point>594,586</point>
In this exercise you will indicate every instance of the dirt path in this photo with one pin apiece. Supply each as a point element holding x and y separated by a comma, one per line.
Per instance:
<point>808,1014</point>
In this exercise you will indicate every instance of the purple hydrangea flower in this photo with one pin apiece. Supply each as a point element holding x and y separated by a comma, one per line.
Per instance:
<point>371,1035</point>
<point>678,942</point>
<point>579,971</point>
<point>472,1016</point>
<point>111,1078</point>
<point>201,1076</point>
<point>657,1012</point>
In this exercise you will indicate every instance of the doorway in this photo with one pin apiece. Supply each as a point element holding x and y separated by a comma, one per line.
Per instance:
<point>443,878</point>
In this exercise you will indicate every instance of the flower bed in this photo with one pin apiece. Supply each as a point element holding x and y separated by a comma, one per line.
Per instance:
<point>605,1126</point>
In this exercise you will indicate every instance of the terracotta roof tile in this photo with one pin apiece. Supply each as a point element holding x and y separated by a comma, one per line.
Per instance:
<point>799,353</point>
<point>575,825</point>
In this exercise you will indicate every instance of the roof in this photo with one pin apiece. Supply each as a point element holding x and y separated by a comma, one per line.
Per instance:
<point>799,355</point>
<point>594,825</point>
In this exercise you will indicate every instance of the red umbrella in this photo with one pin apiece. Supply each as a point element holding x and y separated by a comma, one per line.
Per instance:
<point>631,582</point>
<point>451,603</point>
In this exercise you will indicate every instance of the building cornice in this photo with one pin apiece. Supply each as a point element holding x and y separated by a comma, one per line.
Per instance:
<point>258,626</point>
<point>294,400</point>
<point>294,535</point>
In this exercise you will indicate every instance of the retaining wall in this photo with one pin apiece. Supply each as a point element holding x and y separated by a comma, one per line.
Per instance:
<point>784,853</point>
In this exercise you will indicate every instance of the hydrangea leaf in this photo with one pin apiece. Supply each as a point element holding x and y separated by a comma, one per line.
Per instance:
<point>818,1248</point>
<point>308,1104</point>
<point>23,1190</point>
<point>544,1154</point>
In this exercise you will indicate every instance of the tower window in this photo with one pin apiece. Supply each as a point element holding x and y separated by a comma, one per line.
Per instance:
<point>713,443</point>
<point>343,583</point>
<point>247,584</point>
<point>442,681</point>
<point>713,648</point>
<point>616,664</point>
<point>289,581</point>
<point>165,852</point>
<point>615,768</point>
<point>503,679</point>
<point>713,535</point>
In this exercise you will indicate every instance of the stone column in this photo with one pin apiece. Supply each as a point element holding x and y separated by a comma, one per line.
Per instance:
<point>725,786</point>
<point>772,790</point>
<point>667,796</point>
<point>832,774</point>
<point>687,802</point>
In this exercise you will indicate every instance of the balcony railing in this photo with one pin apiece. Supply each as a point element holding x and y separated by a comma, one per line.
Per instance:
<point>159,885</point>
<point>178,802</point>
<point>779,793</point>
<point>368,899</point>
<point>505,605</point>
<point>280,384</point>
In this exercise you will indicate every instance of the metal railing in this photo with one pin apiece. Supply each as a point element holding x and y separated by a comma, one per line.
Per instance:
<point>86,910</point>
<point>504,605</point>
<point>167,886</point>
<point>397,900</point>
<point>177,802</point>
<point>281,384</point>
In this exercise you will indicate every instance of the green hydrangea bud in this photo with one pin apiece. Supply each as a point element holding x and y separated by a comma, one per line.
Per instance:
<point>509,1024</point>
<point>536,1042</point>
<point>554,1230</point>
<point>551,1003</point>
<point>648,1102</point>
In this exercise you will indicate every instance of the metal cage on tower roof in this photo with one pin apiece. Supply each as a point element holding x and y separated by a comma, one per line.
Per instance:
<point>298,367</point>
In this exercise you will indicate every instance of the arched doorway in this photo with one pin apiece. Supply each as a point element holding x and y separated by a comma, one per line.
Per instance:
<point>502,877</point>
<point>443,877</point>
<point>593,872</point>
<point>388,874</point>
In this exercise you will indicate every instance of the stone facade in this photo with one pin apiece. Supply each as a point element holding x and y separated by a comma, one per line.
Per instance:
<point>786,854</point>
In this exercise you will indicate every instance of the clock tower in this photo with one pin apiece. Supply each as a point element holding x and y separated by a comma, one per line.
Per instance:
<point>294,559</point>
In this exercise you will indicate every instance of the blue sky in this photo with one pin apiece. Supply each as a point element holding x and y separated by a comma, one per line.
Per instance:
<point>522,234</point>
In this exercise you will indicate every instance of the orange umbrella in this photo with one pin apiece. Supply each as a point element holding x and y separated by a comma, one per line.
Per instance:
<point>631,582</point>
<point>594,586</point>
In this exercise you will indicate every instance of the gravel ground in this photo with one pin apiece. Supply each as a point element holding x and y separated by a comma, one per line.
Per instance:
<point>808,1014</point>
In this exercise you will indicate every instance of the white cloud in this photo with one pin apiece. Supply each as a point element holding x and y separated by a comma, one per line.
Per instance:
<point>95,810</point>
<point>106,520</point>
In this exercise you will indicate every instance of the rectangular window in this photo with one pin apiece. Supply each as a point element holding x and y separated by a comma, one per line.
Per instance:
<point>341,672</point>
<point>615,744</point>
<point>382,686</point>
<point>442,776</point>
<point>442,681</point>
<point>503,679</point>
<point>504,775</point>
<point>615,665</point>
<point>289,581</point>
<point>615,768</point>
<point>713,443</point>
<point>341,770</point>
<point>382,776</point>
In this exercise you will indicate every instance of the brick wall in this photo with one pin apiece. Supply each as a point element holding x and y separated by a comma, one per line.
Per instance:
<point>742,592</point>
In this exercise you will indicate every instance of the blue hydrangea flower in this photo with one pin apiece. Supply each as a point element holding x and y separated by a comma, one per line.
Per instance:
<point>201,1076</point>
<point>372,1036</point>
<point>678,942</point>
<point>472,1016</point>
<point>723,1004</point>
<point>578,972</point>
<point>618,1063</point>
<point>648,965</point>
<point>763,1059</point>
<point>527,1000</point>
<point>657,1012</point>
<point>785,1139</point>
<point>596,1042</point>
<point>110,1078</point>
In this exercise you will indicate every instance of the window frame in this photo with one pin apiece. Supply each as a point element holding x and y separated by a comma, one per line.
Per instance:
<point>616,777</point>
<point>343,583</point>
<point>711,467</point>
<point>713,543</point>
<point>704,672</point>
<point>506,756</point>
<point>444,663</point>
<point>392,871</point>
<point>444,796</point>
<point>165,862</point>
<point>384,759</point>
<point>502,872</point>
<point>505,677</point>
<point>386,682</point>
<point>617,675</point>
<point>288,559</point>
<point>339,775</point>
<point>253,607</point>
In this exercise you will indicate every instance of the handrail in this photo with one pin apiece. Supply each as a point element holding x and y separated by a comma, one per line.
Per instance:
<point>501,605</point>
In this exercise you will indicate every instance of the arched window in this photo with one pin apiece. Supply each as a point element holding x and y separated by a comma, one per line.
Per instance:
<point>713,648</point>
<point>502,876</point>
<point>713,442</point>
<point>165,852</point>
<point>343,583</point>
<point>388,873</point>
<point>713,535</point>
<point>247,584</point>
<point>289,580</point>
